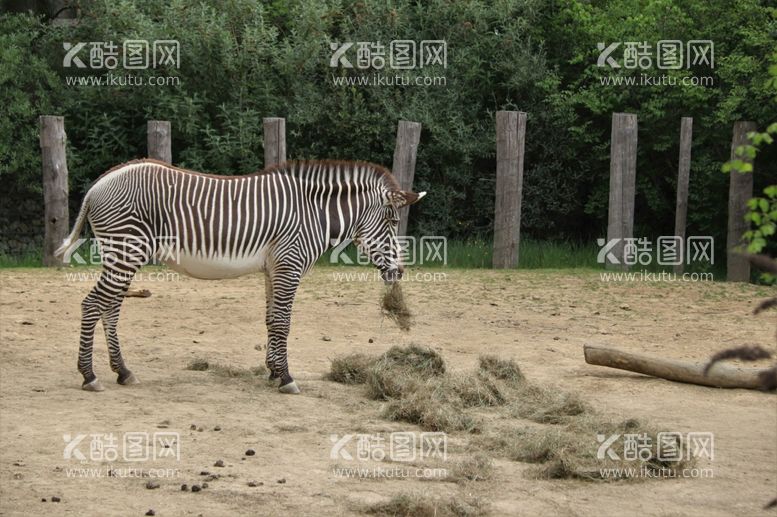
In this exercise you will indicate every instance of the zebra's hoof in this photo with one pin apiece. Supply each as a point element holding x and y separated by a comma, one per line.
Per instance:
<point>95,385</point>
<point>290,388</point>
<point>128,380</point>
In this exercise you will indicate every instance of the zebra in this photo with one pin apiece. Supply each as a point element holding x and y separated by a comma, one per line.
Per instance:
<point>279,221</point>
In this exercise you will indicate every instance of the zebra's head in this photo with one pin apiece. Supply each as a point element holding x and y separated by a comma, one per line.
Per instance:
<point>376,236</point>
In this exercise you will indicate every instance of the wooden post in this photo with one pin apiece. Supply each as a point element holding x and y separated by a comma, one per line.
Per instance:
<point>510,144</point>
<point>623,174</point>
<point>55,189</point>
<point>740,190</point>
<point>274,141</point>
<point>159,146</point>
<point>683,177</point>
<point>405,149</point>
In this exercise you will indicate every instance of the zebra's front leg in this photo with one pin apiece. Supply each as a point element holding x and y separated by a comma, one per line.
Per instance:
<point>284,286</point>
<point>267,320</point>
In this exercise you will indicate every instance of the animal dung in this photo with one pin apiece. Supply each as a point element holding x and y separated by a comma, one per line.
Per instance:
<point>394,307</point>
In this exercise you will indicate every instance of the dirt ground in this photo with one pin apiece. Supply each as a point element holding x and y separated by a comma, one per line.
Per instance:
<point>541,319</point>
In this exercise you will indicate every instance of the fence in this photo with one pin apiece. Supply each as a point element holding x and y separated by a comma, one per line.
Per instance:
<point>510,150</point>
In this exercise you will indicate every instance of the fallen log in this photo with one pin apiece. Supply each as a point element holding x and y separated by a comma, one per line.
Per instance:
<point>719,376</point>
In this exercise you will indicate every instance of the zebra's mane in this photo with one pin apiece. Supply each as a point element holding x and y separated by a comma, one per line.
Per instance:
<point>291,166</point>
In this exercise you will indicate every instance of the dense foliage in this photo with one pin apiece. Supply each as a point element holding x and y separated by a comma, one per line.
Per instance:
<point>241,60</point>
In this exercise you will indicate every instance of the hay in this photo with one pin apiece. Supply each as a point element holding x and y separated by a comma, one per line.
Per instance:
<point>397,371</point>
<point>502,369</point>
<point>232,372</point>
<point>198,365</point>
<point>421,505</point>
<point>546,405</point>
<point>495,401</point>
<point>350,369</point>
<point>570,452</point>
<point>394,307</point>
<point>431,407</point>
<point>477,467</point>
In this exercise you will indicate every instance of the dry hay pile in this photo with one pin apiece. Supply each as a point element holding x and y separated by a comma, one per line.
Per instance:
<point>424,505</point>
<point>511,417</point>
<point>394,307</point>
<point>225,371</point>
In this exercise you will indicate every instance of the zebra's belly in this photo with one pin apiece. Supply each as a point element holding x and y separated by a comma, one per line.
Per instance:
<point>217,267</point>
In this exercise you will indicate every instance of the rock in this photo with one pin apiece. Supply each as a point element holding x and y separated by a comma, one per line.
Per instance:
<point>184,487</point>
<point>204,485</point>
<point>43,500</point>
<point>625,307</point>
<point>250,452</point>
<point>151,512</point>
<point>200,429</point>
<point>370,340</point>
<point>204,473</point>
<point>196,488</point>
<point>219,463</point>
<point>55,499</point>
<point>282,481</point>
<point>192,427</point>
<point>326,338</point>
<point>217,428</point>
<point>151,484</point>
<point>253,484</point>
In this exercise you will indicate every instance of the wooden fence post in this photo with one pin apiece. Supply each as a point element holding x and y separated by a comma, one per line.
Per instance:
<point>274,141</point>
<point>510,144</point>
<point>623,173</point>
<point>159,145</point>
<point>55,189</point>
<point>683,177</point>
<point>405,149</point>
<point>740,190</point>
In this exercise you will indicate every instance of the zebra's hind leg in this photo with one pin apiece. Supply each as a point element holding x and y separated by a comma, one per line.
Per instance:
<point>285,280</point>
<point>110,319</point>
<point>93,307</point>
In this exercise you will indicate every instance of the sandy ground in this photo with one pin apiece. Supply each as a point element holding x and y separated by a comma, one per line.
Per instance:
<point>540,319</point>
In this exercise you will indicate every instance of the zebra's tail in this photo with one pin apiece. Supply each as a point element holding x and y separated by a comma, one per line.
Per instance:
<point>71,242</point>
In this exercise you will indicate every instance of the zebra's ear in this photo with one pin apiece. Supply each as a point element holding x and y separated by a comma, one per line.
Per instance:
<point>402,198</point>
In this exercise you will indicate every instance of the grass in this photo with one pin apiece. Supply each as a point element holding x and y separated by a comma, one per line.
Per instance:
<point>469,254</point>
<point>512,418</point>
<point>26,260</point>
<point>477,254</point>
